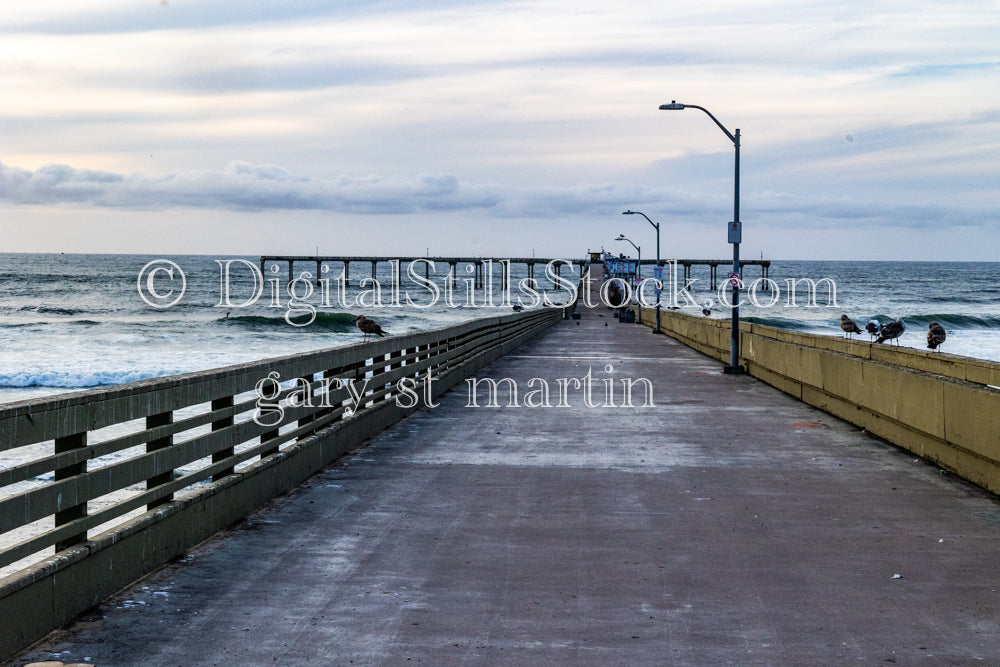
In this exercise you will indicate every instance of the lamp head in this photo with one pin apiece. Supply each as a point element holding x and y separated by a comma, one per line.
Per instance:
<point>621,237</point>
<point>629,212</point>
<point>673,106</point>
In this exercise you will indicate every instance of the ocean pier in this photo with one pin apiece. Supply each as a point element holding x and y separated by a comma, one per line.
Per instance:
<point>712,264</point>
<point>482,265</point>
<point>808,512</point>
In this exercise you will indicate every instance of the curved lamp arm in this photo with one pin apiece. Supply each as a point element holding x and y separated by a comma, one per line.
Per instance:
<point>674,106</point>
<point>656,225</point>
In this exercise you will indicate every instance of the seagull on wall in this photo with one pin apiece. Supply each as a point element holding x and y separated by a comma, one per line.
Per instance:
<point>848,326</point>
<point>891,331</point>
<point>873,328</point>
<point>935,335</point>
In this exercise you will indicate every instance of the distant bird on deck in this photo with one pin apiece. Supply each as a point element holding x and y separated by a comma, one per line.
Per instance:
<point>935,335</point>
<point>706,312</point>
<point>848,326</point>
<point>517,307</point>
<point>368,327</point>
<point>873,328</point>
<point>891,331</point>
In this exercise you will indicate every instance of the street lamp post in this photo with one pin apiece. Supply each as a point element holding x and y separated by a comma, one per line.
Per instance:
<point>638,266</point>
<point>735,234</point>
<point>638,250</point>
<point>659,270</point>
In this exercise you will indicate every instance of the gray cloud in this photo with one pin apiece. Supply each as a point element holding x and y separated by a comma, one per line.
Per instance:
<point>247,187</point>
<point>242,186</point>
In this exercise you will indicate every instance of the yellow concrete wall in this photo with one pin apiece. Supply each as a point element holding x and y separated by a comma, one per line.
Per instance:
<point>933,404</point>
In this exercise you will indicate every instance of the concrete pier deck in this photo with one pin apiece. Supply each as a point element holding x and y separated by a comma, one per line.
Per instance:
<point>728,524</point>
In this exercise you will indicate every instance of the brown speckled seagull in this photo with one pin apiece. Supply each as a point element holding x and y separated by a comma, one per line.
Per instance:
<point>368,327</point>
<point>848,326</point>
<point>935,335</point>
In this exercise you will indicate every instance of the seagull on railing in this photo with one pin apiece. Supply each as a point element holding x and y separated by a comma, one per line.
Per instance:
<point>368,327</point>
<point>848,326</point>
<point>891,331</point>
<point>935,335</point>
<point>873,328</point>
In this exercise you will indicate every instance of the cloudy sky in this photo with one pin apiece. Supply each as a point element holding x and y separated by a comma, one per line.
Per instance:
<point>870,130</point>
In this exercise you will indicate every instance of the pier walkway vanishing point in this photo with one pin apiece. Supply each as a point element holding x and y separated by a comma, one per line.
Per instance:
<point>728,524</point>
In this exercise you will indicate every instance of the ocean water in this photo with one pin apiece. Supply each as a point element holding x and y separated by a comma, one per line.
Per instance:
<point>69,322</point>
<point>964,297</point>
<point>77,321</point>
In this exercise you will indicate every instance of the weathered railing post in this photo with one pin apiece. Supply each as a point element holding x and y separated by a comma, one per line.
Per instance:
<point>62,445</point>
<point>422,352</point>
<point>329,376</point>
<point>305,419</point>
<point>218,425</point>
<point>395,361</point>
<point>153,421</point>
<point>264,438</point>
<point>355,374</point>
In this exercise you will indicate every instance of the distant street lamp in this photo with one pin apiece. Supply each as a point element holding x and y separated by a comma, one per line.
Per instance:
<point>658,271</point>
<point>638,250</point>
<point>735,234</point>
<point>638,266</point>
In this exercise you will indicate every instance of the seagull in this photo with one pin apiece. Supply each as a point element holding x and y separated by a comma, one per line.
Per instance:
<point>368,327</point>
<point>848,325</point>
<point>873,328</point>
<point>935,335</point>
<point>891,330</point>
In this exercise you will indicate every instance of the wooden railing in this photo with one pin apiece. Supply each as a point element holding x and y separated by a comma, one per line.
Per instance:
<point>135,447</point>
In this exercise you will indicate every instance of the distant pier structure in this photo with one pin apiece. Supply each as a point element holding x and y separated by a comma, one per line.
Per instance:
<point>713,266</point>
<point>481,265</point>
<point>628,267</point>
